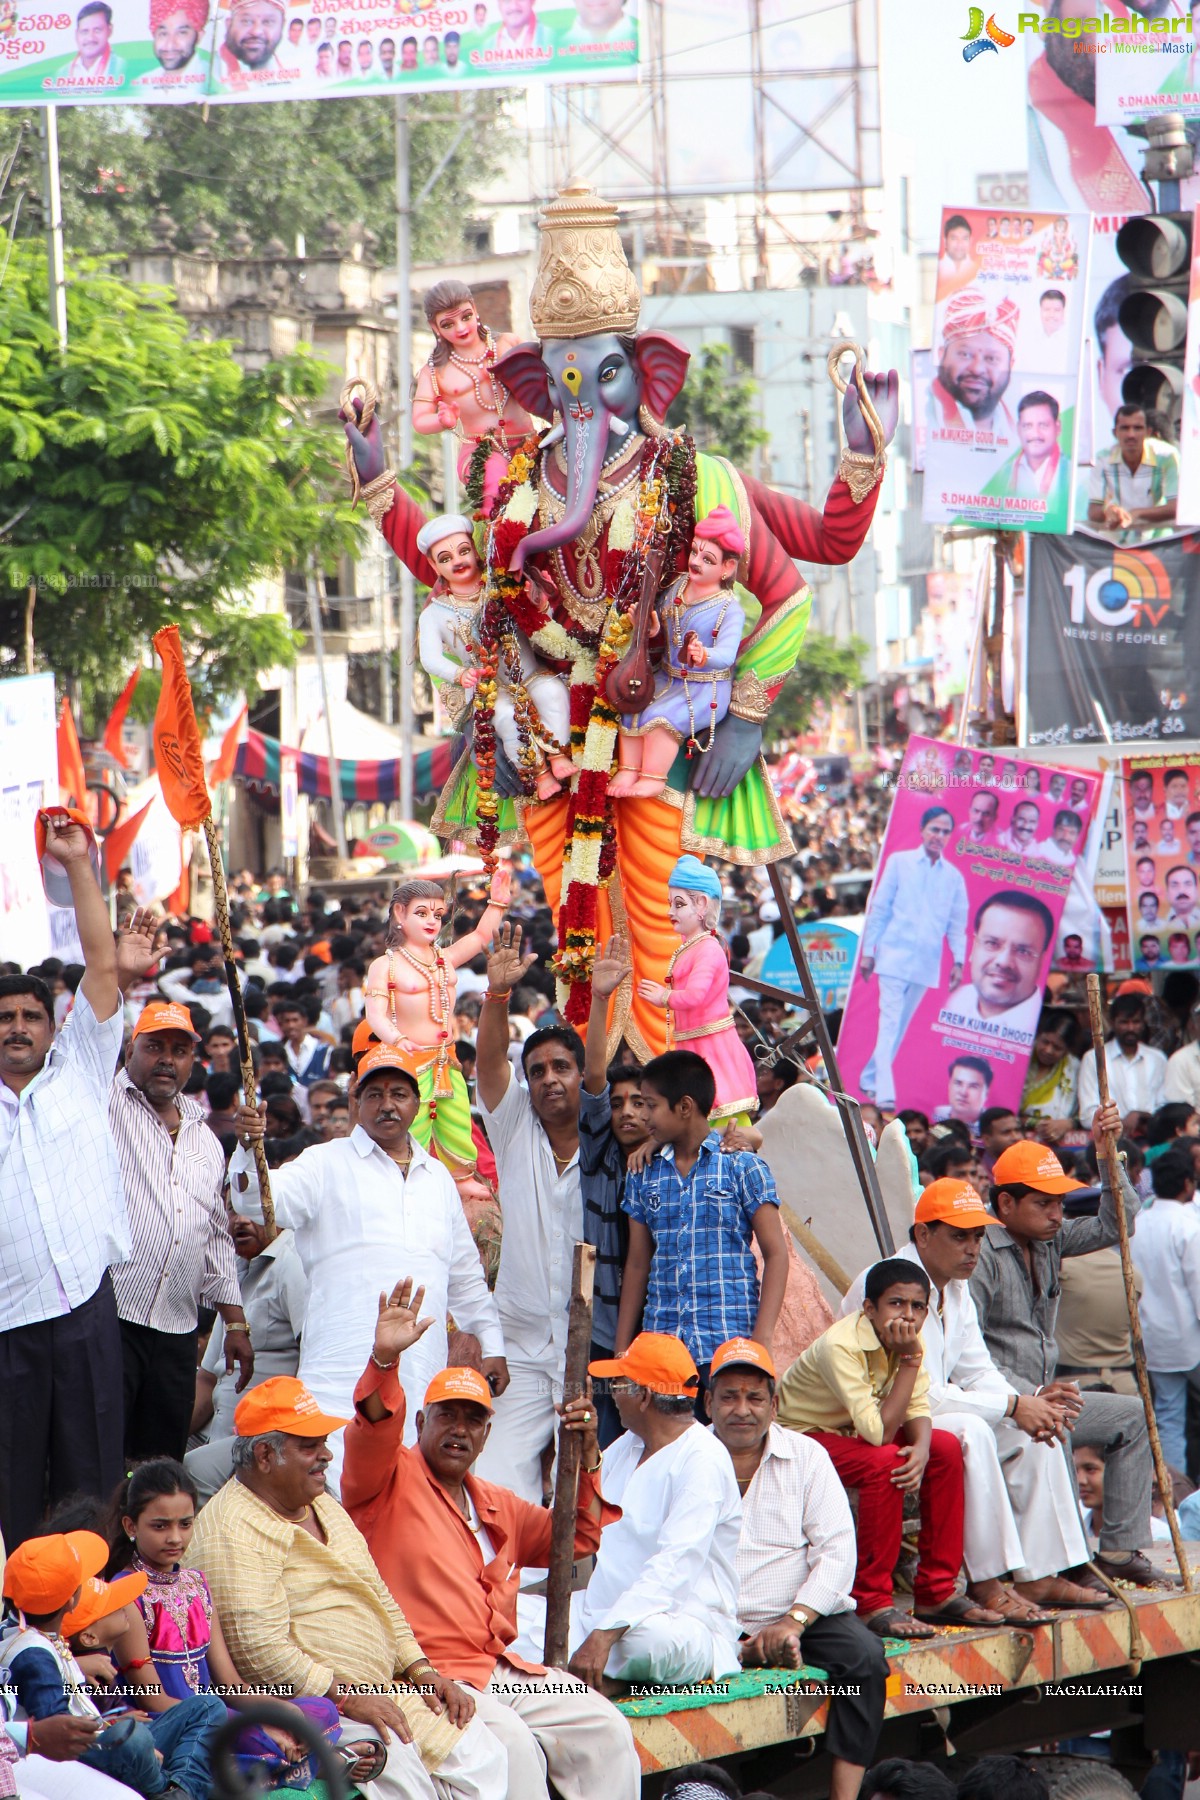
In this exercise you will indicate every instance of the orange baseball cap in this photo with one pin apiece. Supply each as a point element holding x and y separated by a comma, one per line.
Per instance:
<point>744,1352</point>
<point>1027,1164</point>
<point>44,1572</point>
<point>100,1598</point>
<point>388,1056</point>
<point>283,1404</point>
<point>949,1202</point>
<point>459,1384</point>
<point>363,1038</point>
<point>654,1361</point>
<point>165,1015</point>
<point>54,876</point>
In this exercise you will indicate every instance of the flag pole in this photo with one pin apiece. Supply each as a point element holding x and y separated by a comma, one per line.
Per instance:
<point>221,907</point>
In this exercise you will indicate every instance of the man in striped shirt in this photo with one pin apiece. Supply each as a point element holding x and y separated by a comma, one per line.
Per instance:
<point>183,1255</point>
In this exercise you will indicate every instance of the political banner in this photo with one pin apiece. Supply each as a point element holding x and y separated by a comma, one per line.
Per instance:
<point>960,929</point>
<point>1162,859</point>
<point>1008,324</point>
<point>1145,66</point>
<point>167,52</point>
<point>1111,640</point>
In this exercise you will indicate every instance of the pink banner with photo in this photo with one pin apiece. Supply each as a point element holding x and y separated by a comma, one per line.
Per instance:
<point>1162,860</point>
<point>960,929</point>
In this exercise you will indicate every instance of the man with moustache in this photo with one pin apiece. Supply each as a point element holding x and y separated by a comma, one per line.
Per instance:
<point>1090,167</point>
<point>1038,471</point>
<point>1003,999</point>
<point>981,817</point>
<point>966,399</point>
<point>182,1255</point>
<point>63,1221</point>
<point>305,1611</point>
<point>366,1203</point>
<point>176,27</point>
<point>252,39</point>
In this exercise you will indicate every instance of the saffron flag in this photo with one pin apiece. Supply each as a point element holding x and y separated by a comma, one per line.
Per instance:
<point>222,769</point>
<point>119,841</point>
<point>178,753</point>
<point>71,777</point>
<point>116,720</point>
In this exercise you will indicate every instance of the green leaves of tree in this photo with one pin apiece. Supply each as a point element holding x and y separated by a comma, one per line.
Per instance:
<point>154,480</point>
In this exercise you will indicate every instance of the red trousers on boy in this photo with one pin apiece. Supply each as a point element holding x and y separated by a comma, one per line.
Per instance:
<point>869,1468</point>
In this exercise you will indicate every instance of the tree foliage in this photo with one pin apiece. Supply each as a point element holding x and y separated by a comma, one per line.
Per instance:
<point>273,170</point>
<point>827,670</point>
<point>146,478</point>
<point>718,407</point>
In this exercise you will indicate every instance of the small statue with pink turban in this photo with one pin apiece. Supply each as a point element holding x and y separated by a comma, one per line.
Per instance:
<point>701,625</point>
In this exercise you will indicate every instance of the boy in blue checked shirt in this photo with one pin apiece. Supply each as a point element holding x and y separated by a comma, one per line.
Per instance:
<point>693,1212</point>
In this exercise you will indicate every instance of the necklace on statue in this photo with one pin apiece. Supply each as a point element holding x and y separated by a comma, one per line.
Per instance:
<point>478,369</point>
<point>437,975</point>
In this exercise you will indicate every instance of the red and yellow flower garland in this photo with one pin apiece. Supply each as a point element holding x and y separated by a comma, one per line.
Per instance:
<point>665,504</point>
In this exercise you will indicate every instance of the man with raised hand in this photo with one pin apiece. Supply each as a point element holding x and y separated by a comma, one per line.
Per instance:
<point>63,1221</point>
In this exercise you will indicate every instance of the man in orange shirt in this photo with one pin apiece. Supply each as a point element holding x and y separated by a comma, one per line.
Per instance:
<point>451,1549</point>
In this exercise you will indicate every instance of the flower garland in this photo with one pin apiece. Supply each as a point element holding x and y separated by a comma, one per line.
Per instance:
<point>665,505</point>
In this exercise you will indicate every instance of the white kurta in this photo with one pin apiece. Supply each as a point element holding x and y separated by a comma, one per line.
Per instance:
<point>359,1226</point>
<point>1020,1512</point>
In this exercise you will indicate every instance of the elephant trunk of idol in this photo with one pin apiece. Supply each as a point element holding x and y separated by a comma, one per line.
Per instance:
<point>587,431</point>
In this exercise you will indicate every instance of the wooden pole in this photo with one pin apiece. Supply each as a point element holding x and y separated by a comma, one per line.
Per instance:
<point>249,1089</point>
<point>1112,1162</point>
<point>566,1475</point>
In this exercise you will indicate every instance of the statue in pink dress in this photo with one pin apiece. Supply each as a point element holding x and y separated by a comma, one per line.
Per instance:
<point>696,991</point>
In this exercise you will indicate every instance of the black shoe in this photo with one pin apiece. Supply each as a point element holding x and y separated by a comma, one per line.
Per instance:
<point>1139,1571</point>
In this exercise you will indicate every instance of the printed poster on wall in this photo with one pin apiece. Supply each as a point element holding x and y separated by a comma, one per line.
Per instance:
<point>960,929</point>
<point>1162,860</point>
<point>1008,324</point>
<point>1112,640</point>
<point>166,52</point>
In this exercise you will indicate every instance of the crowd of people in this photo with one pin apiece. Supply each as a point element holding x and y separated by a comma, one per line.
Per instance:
<point>301,1444</point>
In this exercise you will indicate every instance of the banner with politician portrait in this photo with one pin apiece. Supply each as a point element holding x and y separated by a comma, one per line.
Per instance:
<point>1144,67</point>
<point>960,929</point>
<point>1002,405</point>
<point>1162,860</point>
<point>163,52</point>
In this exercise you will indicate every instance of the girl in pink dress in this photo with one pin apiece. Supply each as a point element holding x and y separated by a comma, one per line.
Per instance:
<point>696,991</point>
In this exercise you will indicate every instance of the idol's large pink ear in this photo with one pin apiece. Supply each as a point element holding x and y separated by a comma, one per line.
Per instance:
<point>523,373</point>
<point>663,365</point>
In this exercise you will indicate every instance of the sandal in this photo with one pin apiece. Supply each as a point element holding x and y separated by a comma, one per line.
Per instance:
<point>1067,1594</point>
<point>959,1610</point>
<point>1014,1606</point>
<point>892,1622</point>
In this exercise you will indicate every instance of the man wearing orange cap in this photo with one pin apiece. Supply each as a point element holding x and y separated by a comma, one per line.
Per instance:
<point>182,1254</point>
<point>363,1208</point>
<point>305,1610</point>
<point>1016,1287</point>
<point>661,1605</point>
<point>63,1220</point>
<point>1020,1516</point>
<point>796,1557</point>
<point>451,1549</point>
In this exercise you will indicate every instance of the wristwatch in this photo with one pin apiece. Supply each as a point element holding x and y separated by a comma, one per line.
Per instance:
<point>801,1617</point>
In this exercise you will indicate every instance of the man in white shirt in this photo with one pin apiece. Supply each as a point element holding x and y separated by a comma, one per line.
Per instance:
<point>1182,1080</point>
<point>1166,1250</point>
<point>1003,999</point>
<point>1021,836</point>
<point>1021,1528</point>
<point>62,1220</point>
<point>661,1605</point>
<point>534,1134</point>
<point>1183,897</point>
<point>1062,845</point>
<point>1136,1074</point>
<point>981,817</point>
<point>359,1207</point>
<point>1134,486</point>
<point>920,903</point>
<point>796,1558</point>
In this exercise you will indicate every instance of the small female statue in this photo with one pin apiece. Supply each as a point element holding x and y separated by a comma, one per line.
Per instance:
<point>702,625</point>
<point>410,1002</point>
<point>696,991</point>
<point>449,651</point>
<point>458,391</point>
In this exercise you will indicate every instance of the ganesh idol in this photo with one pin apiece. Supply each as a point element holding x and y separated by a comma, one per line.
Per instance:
<point>588,513</point>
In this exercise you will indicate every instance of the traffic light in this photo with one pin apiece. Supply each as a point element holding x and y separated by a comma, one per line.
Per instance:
<point>1156,248</point>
